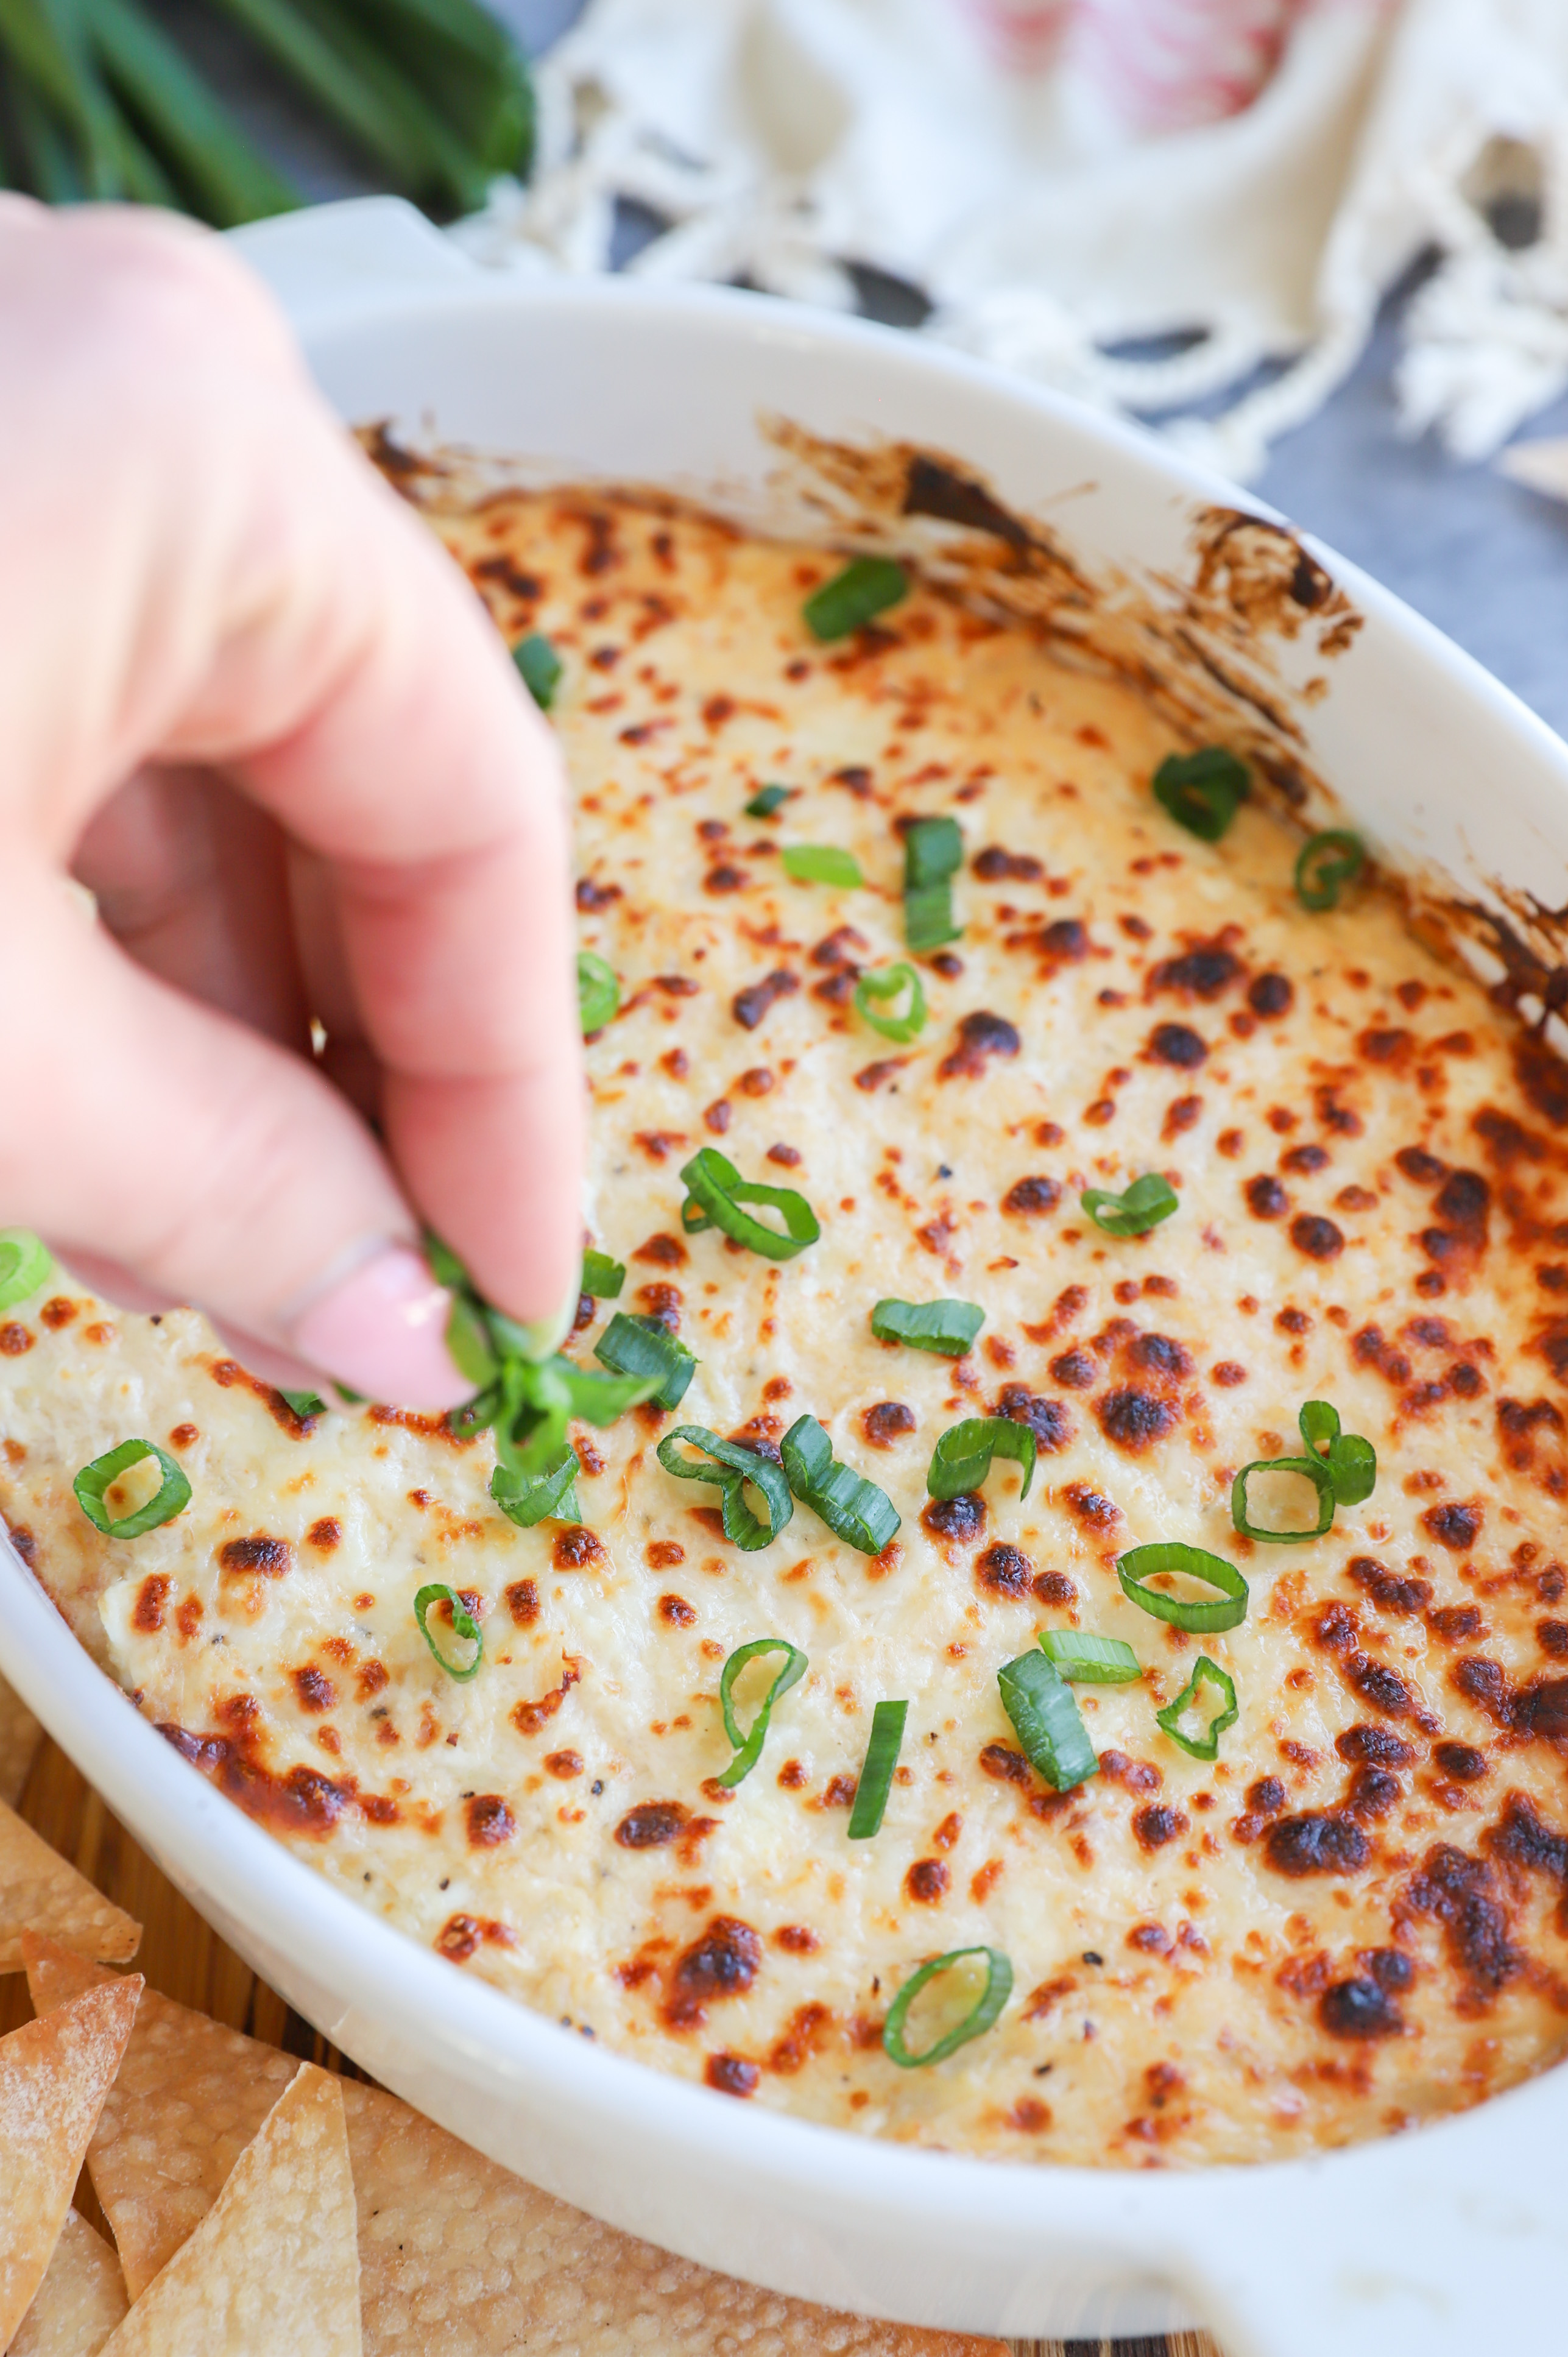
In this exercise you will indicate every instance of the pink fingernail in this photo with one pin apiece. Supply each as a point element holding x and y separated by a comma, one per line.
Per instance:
<point>383,1331</point>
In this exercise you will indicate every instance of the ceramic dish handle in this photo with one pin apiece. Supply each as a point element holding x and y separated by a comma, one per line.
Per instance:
<point>322,261</point>
<point>1445,2242</point>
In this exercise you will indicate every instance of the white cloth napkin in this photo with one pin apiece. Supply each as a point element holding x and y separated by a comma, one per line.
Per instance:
<point>783,139</point>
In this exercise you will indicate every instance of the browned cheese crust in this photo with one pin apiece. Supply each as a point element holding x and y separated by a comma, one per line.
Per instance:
<point>1354,1919</point>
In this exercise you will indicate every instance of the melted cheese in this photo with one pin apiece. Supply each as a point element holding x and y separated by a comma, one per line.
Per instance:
<point>1348,1921</point>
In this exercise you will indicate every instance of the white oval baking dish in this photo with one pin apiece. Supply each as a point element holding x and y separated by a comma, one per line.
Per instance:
<point>1452,2241</point>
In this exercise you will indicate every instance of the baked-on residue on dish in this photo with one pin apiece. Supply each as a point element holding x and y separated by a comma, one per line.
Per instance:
<point>1345,1924</point>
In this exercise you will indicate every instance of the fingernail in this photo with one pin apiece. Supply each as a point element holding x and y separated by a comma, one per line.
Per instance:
<point>382,1331</point>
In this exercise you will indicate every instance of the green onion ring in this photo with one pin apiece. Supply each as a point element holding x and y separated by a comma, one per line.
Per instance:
<point>962,1457</point>
<point>748,1747</point>
<point>715,1193</point>
<point>994,1996</point>
<point>1205,1746</point>
<point>733,1468</point>
<point>1311,1468</point>
<point>598,992</point>
<point>172,1496</point>
<point>644,1346</point>
<point>854,1509</point>
<point>1202,791</point>
<point>464,1626</point>
<point>1142,1563</point>
<point>876,1780</point>
<point>1352,1461</point>
<point>526,1499</point>
<point>1090,1661</point>
<point>884,982</point>
<point>1139,1208</point>
<point>947,1327</point>
<point>25,1266</point>
<point>1324,863</point>
<point>1047,1720</point>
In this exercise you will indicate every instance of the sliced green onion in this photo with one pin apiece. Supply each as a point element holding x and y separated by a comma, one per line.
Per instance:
<point>1090,1661</point>
<point>933,853</point>
<point>349,1398</point>
<point>820,862</point>
<point>464,1626</point>
<point>172,1497</point>
<point>854,1509</point>
<point>529,1498</point>
<point>304,1405</point>
<point>1047,1720</point>
<point>992,1997</point>
<point>1138,1208</point>
<point>540,668</point>
<point>877,1775</point>
<point>1202,791</point>
<point>25,1266</point>
<point>961,1458</point>
<point>1310,1468</point>
<point>716,1192</point>
<point>1206,1745</point>
<point>766,800</point>
<point>598,992</point>
<point>1143,1563</point>
<point>1325,863</point>
<point>748,1747</point>
<point>866,586</point>
<point>642,1346</point>
<point>469,1343</point>
<point>602,1277</point>
<point>732,1468</point>
<point>1352,1461</point>
<point>533,1403</point>
<point>946,1327</point>
<point>885,982</point>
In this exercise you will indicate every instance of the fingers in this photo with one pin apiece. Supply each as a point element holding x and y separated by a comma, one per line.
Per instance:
<point>256,598</point>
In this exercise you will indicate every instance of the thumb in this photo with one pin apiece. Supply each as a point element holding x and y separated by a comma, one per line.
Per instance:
<point>158,1133</point>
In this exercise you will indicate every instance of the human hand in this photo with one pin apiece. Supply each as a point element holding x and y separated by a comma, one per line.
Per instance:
<point>249,702</point>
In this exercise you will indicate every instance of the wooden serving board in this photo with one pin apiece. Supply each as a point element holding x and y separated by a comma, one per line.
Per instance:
<point>184,1957</point>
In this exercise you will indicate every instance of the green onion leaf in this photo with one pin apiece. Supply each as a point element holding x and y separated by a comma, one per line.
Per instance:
<point>994,1996</point>
<point>539,667</point>
<point>602,1277</point>
<point>642,1346</point>
<point>820,862</point>
<point>866,586</point>
<point>877,1776</point>
<point>1139,1208</point>
<point>962,1456</point>
<point>946,1327</point>
<point>748,1747</point>
<point>468,1341</point>
<point>1142,1564</point>
<point>529,1498</point>
<point>464,1627</point>
<point>1325,863</point>
<point>1352,1461</point>
<point>886,982</point>
<point>716,1192</point>
<point>1047,1720</point>
<point>1202,791</point>
<point>305,1404</point>
<point>172,1497</point>
<point>533,1403</point>
<point>769,799</point>
<point>25,1266</point>
<point>598,992</point>
<point>1090,1661</point>
<point>1310,1468</point>
<point>1206,1745</point>
<point>349,1398</point>
<point>854,1509</point>
<point>933,853</point>
<point>732,1468</point>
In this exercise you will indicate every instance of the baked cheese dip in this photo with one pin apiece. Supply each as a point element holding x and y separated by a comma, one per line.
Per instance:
<point>971,1118</point>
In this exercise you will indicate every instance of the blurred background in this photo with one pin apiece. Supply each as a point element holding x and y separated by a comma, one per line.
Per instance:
<point>235,109</point>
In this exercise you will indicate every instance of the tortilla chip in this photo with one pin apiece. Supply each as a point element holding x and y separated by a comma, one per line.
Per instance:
<point>38,1892</point>
<point>19,1733</point>
<point>79,2301</point>
<point>275,2264</point>
<point>54,2075</point>
<point>190,2098</point>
